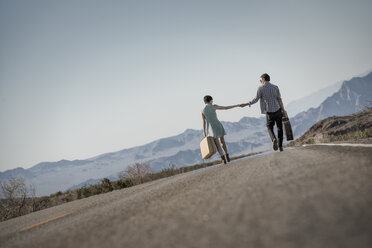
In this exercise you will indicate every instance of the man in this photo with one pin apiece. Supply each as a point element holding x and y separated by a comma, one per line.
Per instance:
<point>271,105</point>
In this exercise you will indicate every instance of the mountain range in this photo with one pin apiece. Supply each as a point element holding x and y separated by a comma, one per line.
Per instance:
<point>311,101</point>
<point>353,96</point>
<point>315,99</point>
<point>245,136</point>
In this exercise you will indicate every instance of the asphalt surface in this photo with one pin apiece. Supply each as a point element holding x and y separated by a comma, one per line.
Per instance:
<point>318,196</point>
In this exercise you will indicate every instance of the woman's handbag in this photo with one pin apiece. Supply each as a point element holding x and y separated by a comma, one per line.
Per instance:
<point>208,147</point>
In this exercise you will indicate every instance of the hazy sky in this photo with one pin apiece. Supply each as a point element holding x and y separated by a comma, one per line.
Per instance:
<point>80,78</point>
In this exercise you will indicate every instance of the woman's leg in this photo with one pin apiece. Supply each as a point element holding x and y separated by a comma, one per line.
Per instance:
<point>218,146</point>
<point>220,150</point>
<point>224,146</point>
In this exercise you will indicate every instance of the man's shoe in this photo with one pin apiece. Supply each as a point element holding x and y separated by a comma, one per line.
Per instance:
<point>280,149</point>
<point>275,144</point>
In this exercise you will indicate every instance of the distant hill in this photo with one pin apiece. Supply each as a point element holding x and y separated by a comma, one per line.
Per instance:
<point>339,128</point>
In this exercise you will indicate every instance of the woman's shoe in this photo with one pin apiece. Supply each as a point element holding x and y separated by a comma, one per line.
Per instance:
<point>223,159</point>
<point>227,157</point>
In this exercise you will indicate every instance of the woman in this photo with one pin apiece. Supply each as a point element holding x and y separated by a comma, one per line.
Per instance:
<point>213,127</point>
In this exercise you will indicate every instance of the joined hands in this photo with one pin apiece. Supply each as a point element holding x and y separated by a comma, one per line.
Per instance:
<point>244,105</point>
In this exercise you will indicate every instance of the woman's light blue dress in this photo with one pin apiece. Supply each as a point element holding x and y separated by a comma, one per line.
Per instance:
<point>214,127</point>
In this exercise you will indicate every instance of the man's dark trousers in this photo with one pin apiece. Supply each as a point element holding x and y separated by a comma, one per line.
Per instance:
<point>271,119</point>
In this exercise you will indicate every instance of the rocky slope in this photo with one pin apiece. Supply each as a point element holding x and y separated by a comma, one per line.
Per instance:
<point>339,128</point>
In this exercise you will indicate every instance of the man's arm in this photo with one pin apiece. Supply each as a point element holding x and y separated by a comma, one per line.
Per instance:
<point>279,98</point>
<point>258,96</point>
<point>282,106</point>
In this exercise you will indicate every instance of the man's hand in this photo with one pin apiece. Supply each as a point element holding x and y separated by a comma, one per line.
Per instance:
<point>244,104</point>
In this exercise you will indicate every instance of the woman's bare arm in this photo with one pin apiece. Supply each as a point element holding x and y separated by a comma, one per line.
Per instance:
<point>203,118</point>
<point>225,107</point>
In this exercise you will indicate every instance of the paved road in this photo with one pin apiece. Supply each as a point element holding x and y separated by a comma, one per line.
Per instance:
<point>316,196</point>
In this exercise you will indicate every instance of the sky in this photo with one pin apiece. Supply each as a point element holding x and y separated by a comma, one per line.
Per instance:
<point>85,77</point>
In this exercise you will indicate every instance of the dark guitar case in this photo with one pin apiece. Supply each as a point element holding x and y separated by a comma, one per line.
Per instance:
<point>287,128</point>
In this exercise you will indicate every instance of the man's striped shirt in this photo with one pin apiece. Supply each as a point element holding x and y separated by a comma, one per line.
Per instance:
<point>269,96</point>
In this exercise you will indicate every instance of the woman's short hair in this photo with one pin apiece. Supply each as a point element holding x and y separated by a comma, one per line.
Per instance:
<point>265,76</point>
<point>207,99</point>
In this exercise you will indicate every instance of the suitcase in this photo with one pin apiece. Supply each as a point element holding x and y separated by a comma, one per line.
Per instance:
<point>287,128</point>
<point>207,147</point>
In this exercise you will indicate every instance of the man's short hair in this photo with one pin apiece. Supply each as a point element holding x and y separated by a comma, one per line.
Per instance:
<point>265,76</point>
<point>207,99</point>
